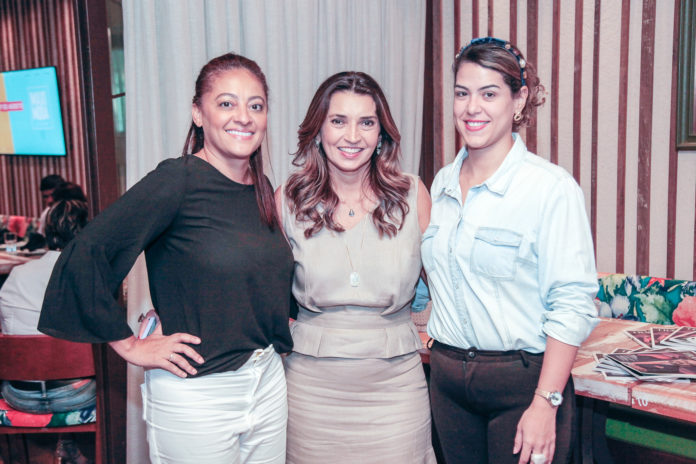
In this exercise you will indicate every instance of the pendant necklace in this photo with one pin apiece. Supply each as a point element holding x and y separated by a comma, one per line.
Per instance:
<point>354,278</point>
<point>351,211</point>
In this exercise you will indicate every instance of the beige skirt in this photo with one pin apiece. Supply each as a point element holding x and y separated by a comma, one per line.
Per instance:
<point>357,410</point>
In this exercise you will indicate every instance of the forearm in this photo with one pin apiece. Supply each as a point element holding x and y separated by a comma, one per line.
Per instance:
<point>558,362</point>
<point>124,347</point>
<point>536,431</point>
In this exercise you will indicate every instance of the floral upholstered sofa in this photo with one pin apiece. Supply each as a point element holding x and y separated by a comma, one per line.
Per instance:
<point>647,299</point>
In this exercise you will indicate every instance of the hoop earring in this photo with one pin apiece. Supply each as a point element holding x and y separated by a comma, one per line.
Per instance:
<point>378,150</point>
<point>517,117</point>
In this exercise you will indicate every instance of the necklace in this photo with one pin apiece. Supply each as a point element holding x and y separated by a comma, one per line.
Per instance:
<point>354,277</point>
<point>351,210</point>
<point>357,205</point>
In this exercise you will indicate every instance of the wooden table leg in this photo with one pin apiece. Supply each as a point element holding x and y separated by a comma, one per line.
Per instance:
<point>593,441</point>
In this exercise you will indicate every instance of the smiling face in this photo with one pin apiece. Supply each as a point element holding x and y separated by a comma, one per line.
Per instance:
<point>350,132</point>
<point>483,109</point>
<point>233,115</point>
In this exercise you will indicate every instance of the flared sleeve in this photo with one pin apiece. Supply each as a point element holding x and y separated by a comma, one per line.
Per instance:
<point>81,301</point>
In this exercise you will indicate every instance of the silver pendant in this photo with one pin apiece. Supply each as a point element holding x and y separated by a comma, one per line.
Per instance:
<point>351,213</point>
<point>354,279</point>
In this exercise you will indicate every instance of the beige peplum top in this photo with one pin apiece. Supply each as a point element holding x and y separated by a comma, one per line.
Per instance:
<point>354,288</point>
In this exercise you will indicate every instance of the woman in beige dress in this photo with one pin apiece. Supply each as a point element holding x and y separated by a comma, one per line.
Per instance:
<point>356,387</point>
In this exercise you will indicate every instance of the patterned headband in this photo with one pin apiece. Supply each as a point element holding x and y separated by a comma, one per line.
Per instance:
<point>502,44</point>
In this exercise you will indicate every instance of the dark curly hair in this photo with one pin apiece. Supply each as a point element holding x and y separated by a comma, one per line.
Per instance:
<point>69,191</point>
<point>64,220</point>
<point>51,181</point>
<point>506,61</point>
<point>309,191</point>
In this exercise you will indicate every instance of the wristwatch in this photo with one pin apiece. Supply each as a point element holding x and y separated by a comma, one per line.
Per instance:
<point>555,398</point>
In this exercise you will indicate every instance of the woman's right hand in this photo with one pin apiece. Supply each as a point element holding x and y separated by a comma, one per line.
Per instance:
<point>168,352</point>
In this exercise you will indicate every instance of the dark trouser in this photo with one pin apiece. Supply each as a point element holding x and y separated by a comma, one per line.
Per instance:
<point>478,397</point>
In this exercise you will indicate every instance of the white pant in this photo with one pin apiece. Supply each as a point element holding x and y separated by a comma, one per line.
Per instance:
<point>236,417</point>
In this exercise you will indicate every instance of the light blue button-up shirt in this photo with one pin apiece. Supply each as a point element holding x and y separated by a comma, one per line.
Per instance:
<point>515,262</point>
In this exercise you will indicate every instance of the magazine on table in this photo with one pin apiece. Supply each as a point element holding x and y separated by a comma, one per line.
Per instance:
<point>674,337</point>
<point>666,354</point>
<point>642,337</point>
<point>682,337</point>
<point>662,363</point>
<point>661,334</point>
<point>609,369</point>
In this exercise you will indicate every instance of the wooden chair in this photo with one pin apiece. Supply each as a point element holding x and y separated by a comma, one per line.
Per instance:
<point>33,357</point>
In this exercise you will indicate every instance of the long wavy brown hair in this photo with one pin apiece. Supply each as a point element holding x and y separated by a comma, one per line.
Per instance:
<point>309,191</point>
<point>196,138</point>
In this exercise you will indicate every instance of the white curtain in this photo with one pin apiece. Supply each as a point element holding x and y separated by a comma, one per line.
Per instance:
<point>298,44</point>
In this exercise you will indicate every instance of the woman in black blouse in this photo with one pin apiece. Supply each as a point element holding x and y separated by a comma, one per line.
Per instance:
<point>220,273</point>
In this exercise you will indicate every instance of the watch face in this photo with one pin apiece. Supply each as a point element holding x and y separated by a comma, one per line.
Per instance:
<point>555,398</point>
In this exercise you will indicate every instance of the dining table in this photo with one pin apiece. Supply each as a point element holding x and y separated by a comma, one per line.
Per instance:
<point>676,400</point>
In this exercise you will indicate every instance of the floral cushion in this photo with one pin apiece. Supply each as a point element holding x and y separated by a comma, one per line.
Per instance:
<point>12,418</point>
<point>647,299</point>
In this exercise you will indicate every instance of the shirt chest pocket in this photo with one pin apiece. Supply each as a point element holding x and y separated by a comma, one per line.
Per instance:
<point>494,253</point>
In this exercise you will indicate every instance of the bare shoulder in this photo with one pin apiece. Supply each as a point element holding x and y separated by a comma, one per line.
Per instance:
<point>424,205</point>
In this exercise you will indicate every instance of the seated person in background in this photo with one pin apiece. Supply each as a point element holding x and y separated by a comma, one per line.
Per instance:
<point>53,189</point>
<point>21,298</point>
<point>22,294</point>
<point>47,185</point>
<point>68,191</point>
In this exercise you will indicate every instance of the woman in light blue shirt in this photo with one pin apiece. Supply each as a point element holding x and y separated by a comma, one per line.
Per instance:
<point>510,263</point>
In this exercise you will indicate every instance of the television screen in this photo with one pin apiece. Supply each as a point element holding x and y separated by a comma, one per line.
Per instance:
<point>30,117</point>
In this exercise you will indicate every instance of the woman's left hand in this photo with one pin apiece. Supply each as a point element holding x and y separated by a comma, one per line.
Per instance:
<point>536,432</point>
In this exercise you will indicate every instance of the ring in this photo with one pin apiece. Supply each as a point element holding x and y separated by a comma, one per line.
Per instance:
<point>538,458</point>
<point>170,357</point>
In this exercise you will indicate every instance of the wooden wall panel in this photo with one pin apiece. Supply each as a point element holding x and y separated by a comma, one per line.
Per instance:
<point>660,140</point>
<point>605,123</point>
<point>608,67</point>
<point>645,136</point>
<point>566,67</point>
<point>621,134</point>
<point>36,33</point>
<point>632,123</point>
<point>673,158</point>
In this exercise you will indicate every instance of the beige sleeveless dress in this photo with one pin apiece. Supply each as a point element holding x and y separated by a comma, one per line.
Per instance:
<point>356,387</point>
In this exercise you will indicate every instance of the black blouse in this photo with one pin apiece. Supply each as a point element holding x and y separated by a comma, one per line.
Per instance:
<point>215,269</point>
